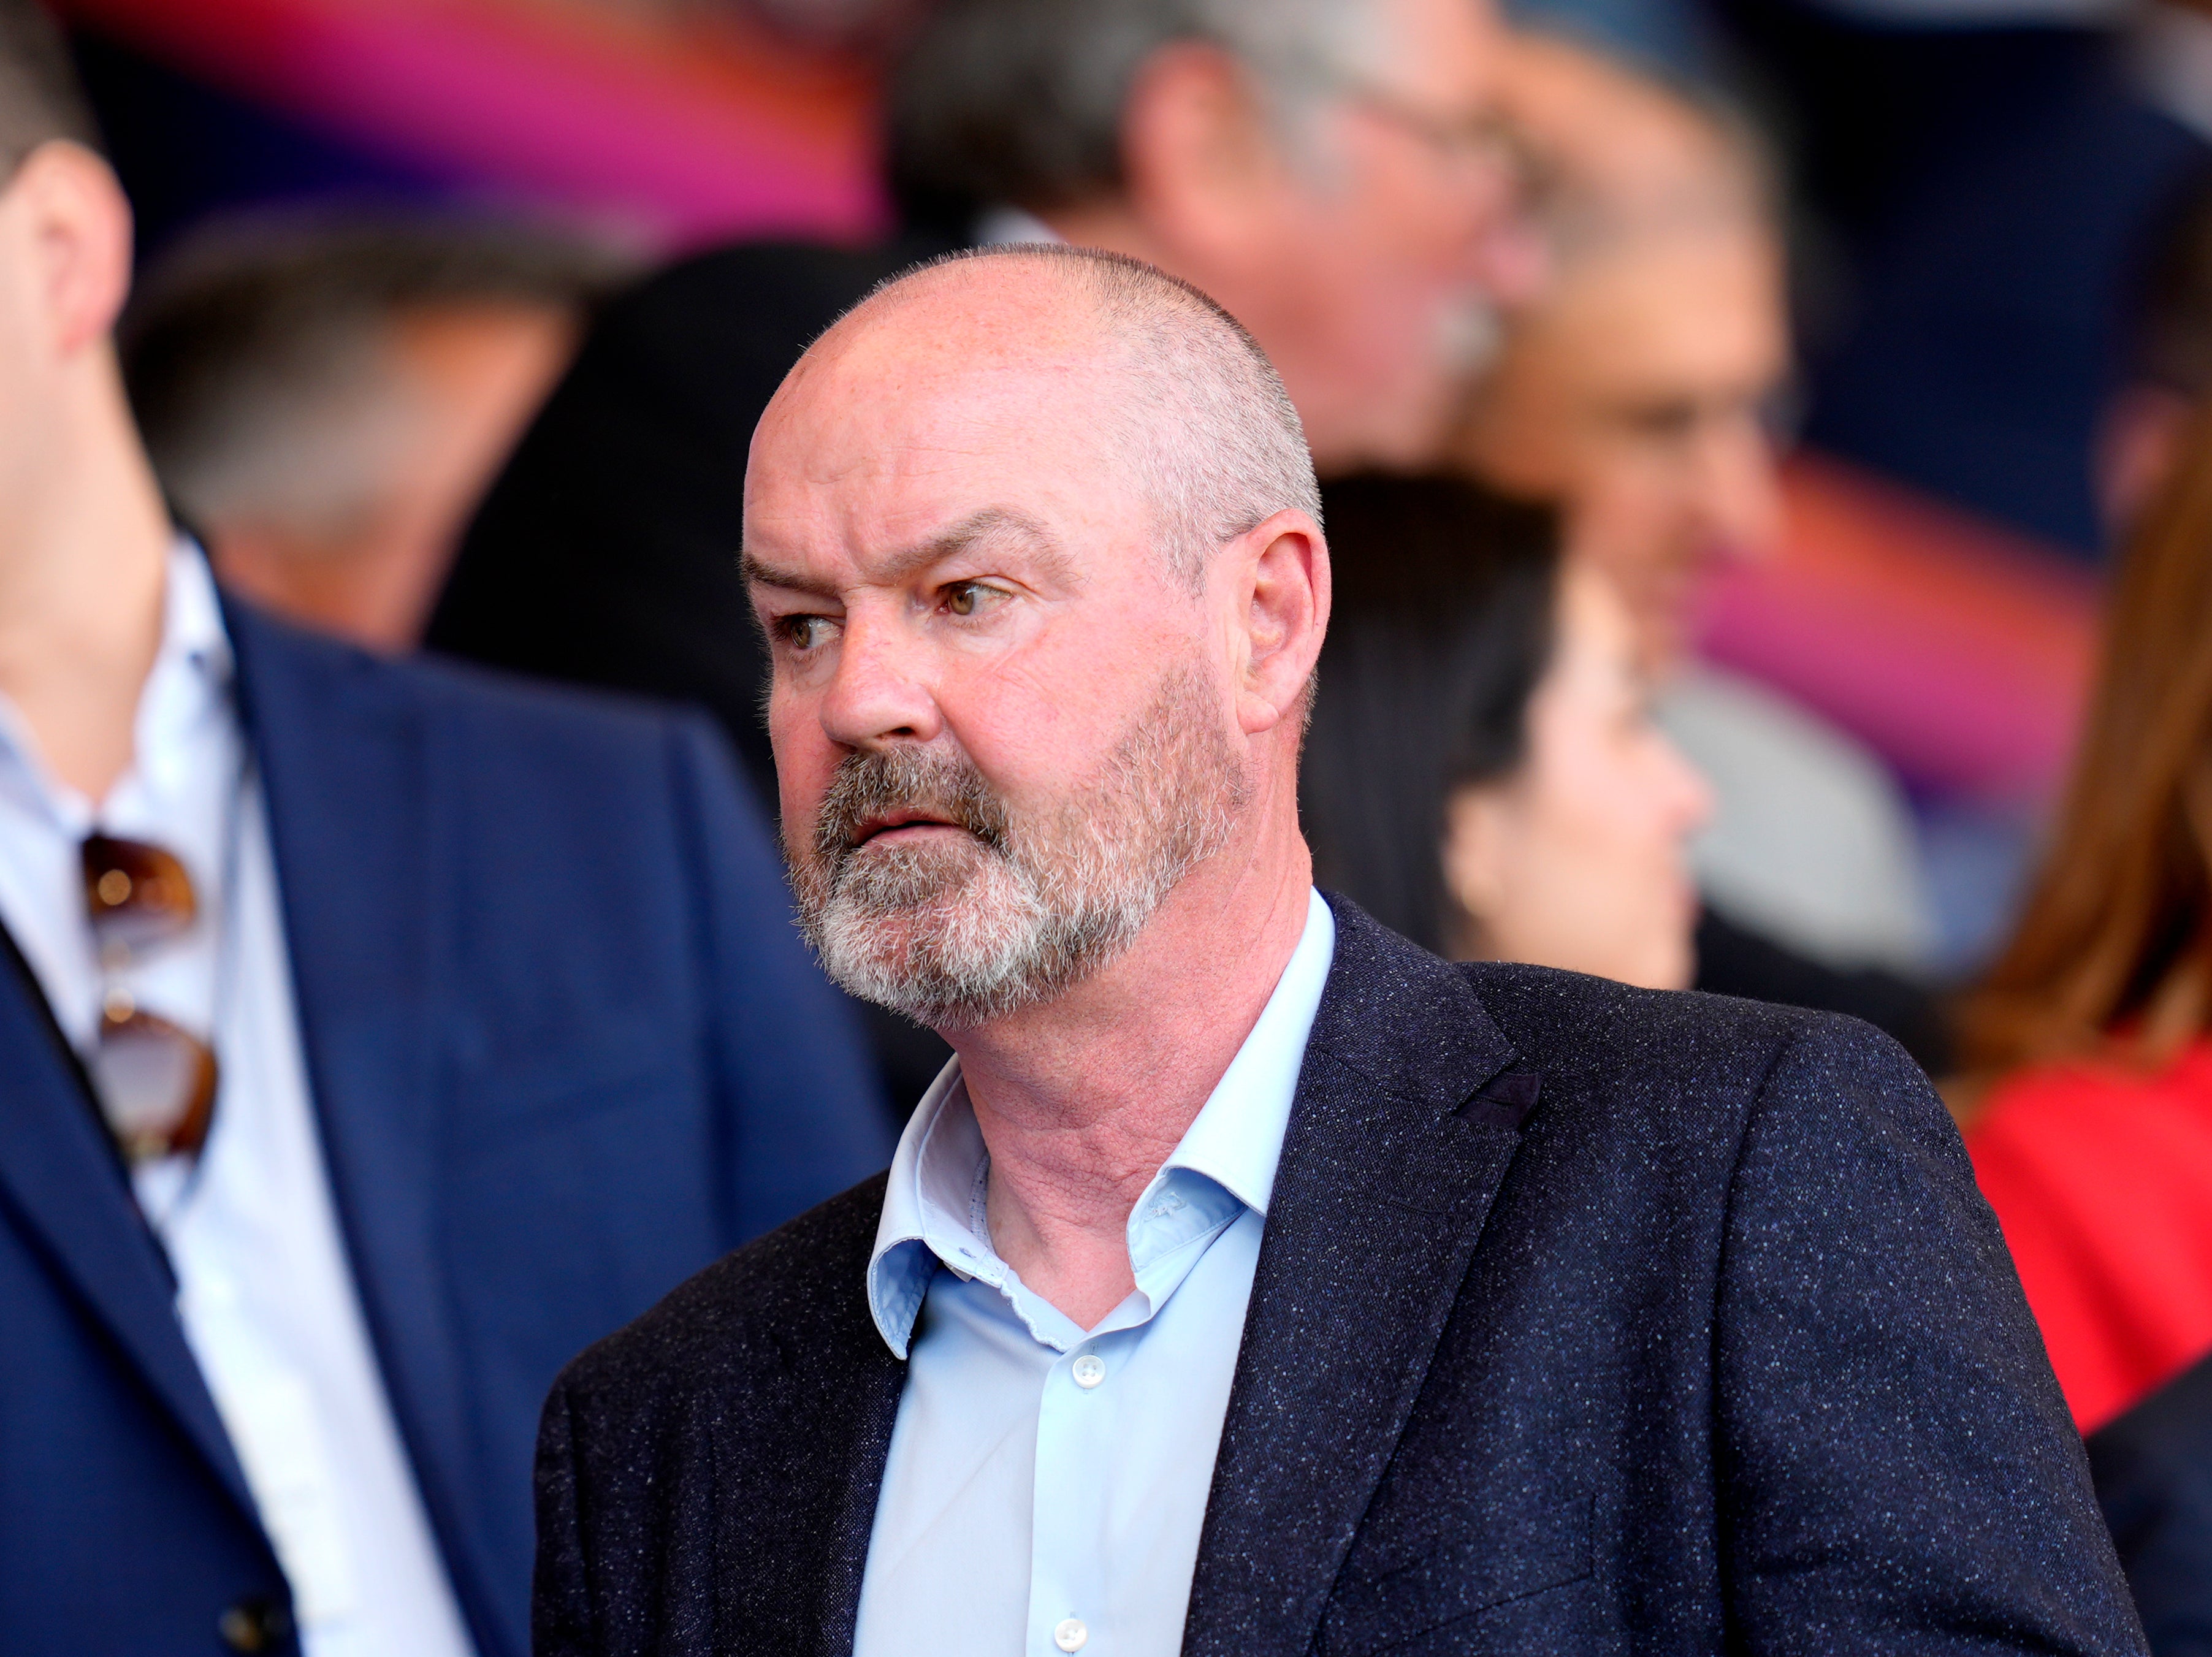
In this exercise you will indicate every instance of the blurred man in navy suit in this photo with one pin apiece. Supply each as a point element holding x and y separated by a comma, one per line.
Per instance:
<point>371,1039</point>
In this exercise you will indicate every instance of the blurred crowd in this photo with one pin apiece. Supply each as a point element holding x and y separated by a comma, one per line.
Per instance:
<point>1588,313</point>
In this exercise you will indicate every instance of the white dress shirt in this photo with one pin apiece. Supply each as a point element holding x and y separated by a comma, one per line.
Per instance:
<point>1045,1484</point>
<point>266,1297</point>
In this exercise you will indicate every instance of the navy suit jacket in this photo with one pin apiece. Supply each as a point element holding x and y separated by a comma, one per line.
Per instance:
<point>1586,1319</point>
<point>565,1049</point>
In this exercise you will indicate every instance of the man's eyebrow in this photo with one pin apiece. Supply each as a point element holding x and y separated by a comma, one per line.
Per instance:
<point>989,524</point>
<point>755,569</point>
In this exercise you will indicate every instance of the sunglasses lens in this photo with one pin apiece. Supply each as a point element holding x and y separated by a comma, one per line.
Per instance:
<point>137,894</point>
<point>156,1086</point>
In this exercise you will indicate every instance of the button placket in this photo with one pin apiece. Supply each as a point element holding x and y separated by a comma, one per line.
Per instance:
<point>1075,1453</point>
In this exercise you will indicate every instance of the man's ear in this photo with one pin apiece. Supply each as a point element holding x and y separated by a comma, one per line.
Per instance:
<point>1196,149</point>
<point>1473,856</point>
<point>1281,571</point>
<point>2145,431</point>
<point>80,226</point>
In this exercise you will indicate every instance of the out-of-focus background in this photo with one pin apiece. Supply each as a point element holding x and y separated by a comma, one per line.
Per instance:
<point>1975,193</point>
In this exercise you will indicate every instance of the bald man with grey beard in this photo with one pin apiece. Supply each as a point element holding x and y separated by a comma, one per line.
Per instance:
<point>1252,1281</point>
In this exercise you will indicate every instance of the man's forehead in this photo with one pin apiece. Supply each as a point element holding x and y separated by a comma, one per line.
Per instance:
<point>1447,51</point>
<point>936,453</point>
<point>902,485</point>
<point>885,441</point>
<point>1002,310</point>
<point>899,553</point>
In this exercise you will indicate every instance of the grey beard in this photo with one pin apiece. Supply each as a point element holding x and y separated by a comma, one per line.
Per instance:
<point>954,935</point>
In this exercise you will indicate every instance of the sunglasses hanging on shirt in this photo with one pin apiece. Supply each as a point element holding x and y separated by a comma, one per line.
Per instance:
<point>156,1081</point>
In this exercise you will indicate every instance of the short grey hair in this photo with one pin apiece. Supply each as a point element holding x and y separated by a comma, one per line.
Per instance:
<point>1204,420</point>
<point>1018,102</point>
<point>258,353</point>
<point>40,97</point>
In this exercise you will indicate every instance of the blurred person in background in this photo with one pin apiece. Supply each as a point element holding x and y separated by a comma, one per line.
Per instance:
<point>1640,390</point>
<point>1481,773</point>
<point>2151,416</point>
<point>326,401</point>
<point>2088,1094</point>
<point>372,1036</point>
<point>2088,1102</point>
<point>1337,176</point>
<point>1977,179</point>
<point>1333,171</point>
<point>1484,772</point>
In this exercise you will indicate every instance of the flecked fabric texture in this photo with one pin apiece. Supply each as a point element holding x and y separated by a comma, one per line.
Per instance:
<point>1587,1318</point>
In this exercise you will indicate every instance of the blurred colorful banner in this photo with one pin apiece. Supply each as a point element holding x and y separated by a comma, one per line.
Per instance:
<point>1957,650</point>
<point>679,129</point>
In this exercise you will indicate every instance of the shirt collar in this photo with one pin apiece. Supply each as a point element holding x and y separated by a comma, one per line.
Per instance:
<point>188,684</point>
<point>192,619</point>
<point>932,1205</point>
<point>187,694</point>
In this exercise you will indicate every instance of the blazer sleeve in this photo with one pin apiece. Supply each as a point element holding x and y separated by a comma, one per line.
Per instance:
<point>1898,1472</point>
<point>559,1597</point>
<point>802,1114</point>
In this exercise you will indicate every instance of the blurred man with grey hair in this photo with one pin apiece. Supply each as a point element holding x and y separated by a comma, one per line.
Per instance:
<point>326,399</point>
<point>1335,173</point>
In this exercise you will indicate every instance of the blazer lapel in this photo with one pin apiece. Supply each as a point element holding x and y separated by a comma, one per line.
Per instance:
<point>57,1172</point>
<point>1407,1114</point>
<point>345,767</point>
<point>852,1445</point>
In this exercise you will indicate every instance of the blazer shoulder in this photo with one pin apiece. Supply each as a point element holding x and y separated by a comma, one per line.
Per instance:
<point>782,1300</point>
<point>1569,1021</point>
<point>514,702</point>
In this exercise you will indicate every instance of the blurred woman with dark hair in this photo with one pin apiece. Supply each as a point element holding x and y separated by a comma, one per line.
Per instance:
<point>1482,774</point>
<point>2089,1101</point>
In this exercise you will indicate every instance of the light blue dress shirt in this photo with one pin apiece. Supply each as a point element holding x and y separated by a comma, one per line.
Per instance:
<point>1046,1483</point>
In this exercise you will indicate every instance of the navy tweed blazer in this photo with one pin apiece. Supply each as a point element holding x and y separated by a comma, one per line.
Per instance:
<point>1586,1318</point>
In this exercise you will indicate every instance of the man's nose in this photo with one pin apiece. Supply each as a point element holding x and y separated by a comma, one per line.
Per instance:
<point>879,690</point>
<point>1512,255</point>
<point>1740,488</point>
<point>1690,799</point>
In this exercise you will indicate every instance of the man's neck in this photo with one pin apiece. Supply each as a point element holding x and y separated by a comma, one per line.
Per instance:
<point>1081,1100</point>
<point>84,561</point>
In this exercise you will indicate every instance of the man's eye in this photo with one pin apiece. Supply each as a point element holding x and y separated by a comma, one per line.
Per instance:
<point>968,598</point>
<point>805,632</point>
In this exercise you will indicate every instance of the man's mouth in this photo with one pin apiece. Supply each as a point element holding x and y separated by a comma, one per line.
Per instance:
<point>892,823</point>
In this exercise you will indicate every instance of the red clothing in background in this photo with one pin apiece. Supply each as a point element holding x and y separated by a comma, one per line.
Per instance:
<point>2103,1181</point>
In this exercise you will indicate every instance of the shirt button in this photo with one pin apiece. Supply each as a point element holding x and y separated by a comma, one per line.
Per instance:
<point>1089,1370</point>
<point>1071,1635</point>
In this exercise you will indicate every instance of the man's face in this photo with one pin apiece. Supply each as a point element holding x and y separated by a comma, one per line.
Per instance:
<point>27,365</point>
<point>1640,392</point>
<point>1003,727</point>
<point>1400,231</point>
